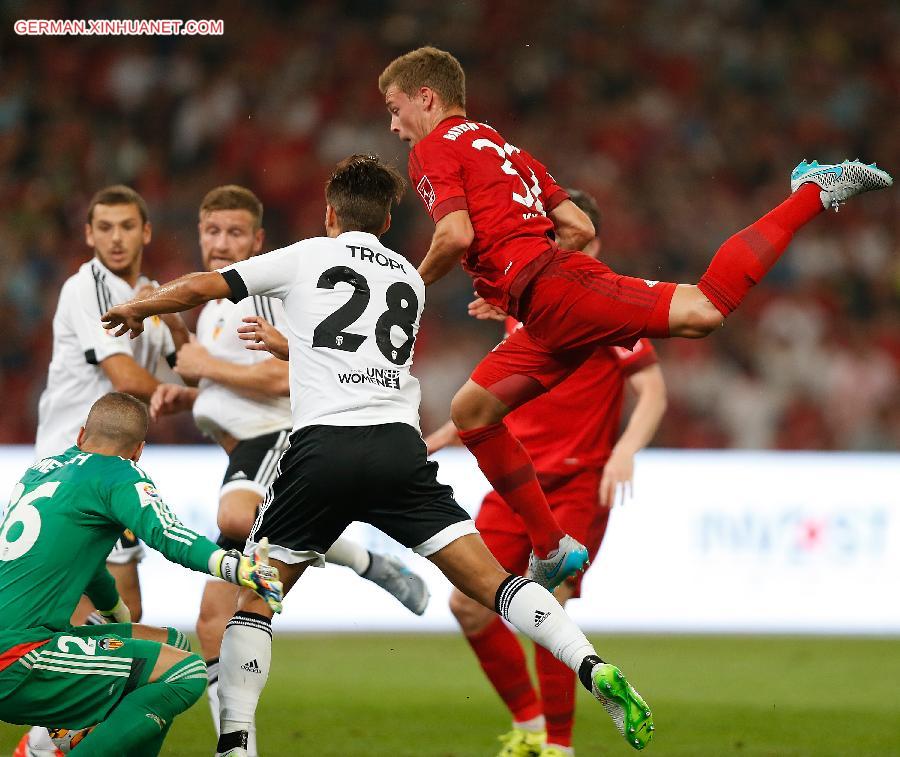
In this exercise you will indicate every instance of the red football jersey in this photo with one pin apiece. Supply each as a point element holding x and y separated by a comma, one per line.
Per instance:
<point>464,165</point>
<point>576,424</point>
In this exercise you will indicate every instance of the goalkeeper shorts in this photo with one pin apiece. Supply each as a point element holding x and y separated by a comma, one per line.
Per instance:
<point>77,677</point>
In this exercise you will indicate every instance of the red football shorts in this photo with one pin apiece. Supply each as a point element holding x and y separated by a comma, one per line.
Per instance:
<point>572,306</point>
<point>574,500</point>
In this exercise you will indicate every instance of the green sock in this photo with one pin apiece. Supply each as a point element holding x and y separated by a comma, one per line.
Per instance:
<point>177,639</point>
<point>139,723</point>
<point>153,747</point>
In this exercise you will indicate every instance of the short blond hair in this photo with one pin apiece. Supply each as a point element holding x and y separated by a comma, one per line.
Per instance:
<point>427,67</point>
<point>233,197</point>
<point>117,419</point>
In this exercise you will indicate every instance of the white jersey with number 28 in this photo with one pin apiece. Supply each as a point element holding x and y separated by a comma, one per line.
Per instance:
<point>352,310</point>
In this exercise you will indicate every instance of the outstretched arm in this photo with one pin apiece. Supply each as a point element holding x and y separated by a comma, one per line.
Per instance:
<point>137,505</point>
<point>650,387</point>
<point>183,293</point>
<point>453,235</point>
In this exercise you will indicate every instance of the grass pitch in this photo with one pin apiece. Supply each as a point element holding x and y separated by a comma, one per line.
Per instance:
<point>424,696</point>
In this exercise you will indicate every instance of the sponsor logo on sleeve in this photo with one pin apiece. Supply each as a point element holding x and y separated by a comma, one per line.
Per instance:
<point>427,192</point>
<point>147,493</point>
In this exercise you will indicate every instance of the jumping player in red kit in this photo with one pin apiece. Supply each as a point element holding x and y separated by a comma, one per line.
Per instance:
<point>500,212</point>
<point>582,462</point>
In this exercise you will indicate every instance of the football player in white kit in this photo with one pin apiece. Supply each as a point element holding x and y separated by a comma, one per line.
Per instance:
<point>241,401</point>
<point>88,362</point>
<point>352,310</point>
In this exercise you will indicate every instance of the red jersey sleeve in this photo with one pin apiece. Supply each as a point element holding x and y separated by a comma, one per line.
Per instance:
<point>631,361</point>
<point>436,173</point>
<point>552,193</point>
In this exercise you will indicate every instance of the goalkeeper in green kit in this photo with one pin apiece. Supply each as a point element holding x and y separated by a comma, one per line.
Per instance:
<point>127,681</point>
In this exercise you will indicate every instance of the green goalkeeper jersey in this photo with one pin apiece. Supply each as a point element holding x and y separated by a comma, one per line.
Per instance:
<point>62,520</point>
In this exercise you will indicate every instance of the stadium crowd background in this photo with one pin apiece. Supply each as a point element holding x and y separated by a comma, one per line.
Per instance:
<point>684,119</point>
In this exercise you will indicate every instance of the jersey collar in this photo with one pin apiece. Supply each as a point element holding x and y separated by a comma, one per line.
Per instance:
<point>141,279</point>
<point>451,118</point>
<point>363,236</point>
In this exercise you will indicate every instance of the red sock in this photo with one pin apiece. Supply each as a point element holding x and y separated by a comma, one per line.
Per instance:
<point>557,683</point>
<point>503,661</point>
<point>746,257</point>
<point>506,464</point>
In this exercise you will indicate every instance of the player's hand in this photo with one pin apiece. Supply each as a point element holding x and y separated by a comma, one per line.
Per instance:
<point>256,573</point>
<point>173,320</point>
<point>121,319</point>
<point>253,572</point>
<point>262,335</point>
<point>168,399</point>
<point>484,311</point>
<point>616,483</point>
<point>445,436</point>
<point>191,360</point>
<point>118,614</point>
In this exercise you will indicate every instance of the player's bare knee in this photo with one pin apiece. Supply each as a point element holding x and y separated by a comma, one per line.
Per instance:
<point>474,407</point>
<point>235,523</point>
<point>708,319</point>
<point>691,314</point>
<point>701,320</point>
<point>168,658</point>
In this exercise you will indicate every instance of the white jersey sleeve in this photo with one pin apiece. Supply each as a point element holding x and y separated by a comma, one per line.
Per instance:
<point>83,300</point>
<point>271,274</point>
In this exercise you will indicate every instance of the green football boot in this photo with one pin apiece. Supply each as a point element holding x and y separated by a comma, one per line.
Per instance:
<point>521,743</point>
<point>625,706</point>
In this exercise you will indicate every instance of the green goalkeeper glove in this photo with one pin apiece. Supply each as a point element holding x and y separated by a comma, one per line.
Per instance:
<point>119,614</point>
<point>253,572</point>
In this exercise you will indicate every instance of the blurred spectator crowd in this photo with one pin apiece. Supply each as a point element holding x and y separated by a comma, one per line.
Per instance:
<point>684,119</point>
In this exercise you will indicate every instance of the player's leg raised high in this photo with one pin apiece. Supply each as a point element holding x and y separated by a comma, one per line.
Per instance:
<point>747,256</point>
